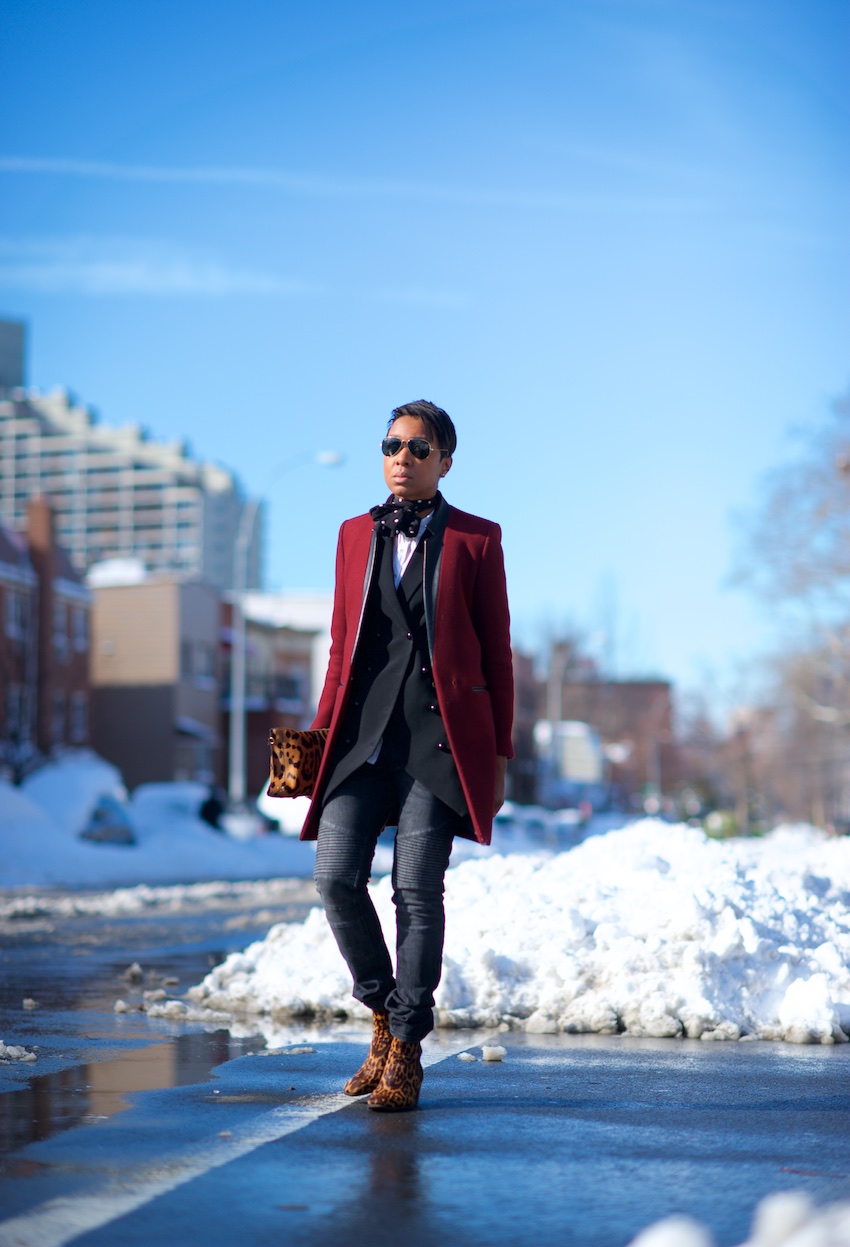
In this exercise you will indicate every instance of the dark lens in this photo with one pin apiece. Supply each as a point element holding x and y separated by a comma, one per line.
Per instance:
<point>420,447</point>
<point>391,446</point>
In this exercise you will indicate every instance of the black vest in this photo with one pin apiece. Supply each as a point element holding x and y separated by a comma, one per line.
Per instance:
<point>393,698</point>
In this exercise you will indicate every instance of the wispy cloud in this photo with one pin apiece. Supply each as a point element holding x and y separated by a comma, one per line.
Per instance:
<point>131,266</point>
<point>351,188</point>
<point>419,297</point>
<point>111,266</point>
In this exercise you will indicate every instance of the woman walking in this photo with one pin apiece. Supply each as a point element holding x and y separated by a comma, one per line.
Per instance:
<point>419,702</point>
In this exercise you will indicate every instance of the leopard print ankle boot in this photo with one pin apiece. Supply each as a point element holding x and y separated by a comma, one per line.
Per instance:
<point>398,1090</point>
<point>369,1075</point>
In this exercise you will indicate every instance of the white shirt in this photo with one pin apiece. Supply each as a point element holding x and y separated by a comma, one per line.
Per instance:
<point>404,548</point>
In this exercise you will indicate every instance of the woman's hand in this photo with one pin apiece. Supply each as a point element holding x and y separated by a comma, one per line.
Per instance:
<point>499,794</point>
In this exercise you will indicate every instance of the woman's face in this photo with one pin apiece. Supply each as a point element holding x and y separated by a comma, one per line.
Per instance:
<point>410,478</point>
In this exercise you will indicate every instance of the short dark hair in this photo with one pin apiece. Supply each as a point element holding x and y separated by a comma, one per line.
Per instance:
<point>438,422</point>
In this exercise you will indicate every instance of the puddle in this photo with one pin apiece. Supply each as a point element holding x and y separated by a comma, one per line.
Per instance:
<point>92,1092</point>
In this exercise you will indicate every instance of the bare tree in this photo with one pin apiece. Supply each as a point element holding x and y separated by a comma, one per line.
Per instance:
<point>796,545</point>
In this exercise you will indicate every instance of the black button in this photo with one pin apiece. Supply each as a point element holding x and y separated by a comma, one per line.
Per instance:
<point>356,701</point>
<point>434,709</point>
<point>410,636</point>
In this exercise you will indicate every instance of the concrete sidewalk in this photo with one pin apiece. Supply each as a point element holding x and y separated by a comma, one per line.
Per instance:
<point>578,1140</point>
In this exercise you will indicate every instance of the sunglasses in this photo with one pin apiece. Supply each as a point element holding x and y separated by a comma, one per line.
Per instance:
<point>419,447</point>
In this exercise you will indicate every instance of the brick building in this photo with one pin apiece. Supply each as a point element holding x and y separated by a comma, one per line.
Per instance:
<point>634,719</point>
<point>18,654</point>
<point>45,610</point>
<point>64,609</point>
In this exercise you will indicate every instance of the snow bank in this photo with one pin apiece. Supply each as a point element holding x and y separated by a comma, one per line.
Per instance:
<point>40,824</point>
<point>68,789</point>
<point>653,930</point>
<point>786,1219</point>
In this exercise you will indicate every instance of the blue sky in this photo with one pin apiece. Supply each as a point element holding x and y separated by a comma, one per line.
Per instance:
<point>609,236</point>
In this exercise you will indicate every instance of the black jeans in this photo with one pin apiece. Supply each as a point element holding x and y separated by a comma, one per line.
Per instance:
<point>352,819</point>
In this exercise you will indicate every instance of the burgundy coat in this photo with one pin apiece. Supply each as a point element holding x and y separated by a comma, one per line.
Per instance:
<point>468,627</point>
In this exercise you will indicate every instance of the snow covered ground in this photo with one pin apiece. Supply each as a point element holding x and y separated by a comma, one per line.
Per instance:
<point>654,930</point>
<point>40,824</point>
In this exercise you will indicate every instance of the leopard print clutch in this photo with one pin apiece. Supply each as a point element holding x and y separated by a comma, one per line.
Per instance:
<point>295,758</point>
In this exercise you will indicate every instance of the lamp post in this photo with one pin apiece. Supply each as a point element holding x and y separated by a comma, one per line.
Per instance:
<point>247,520</point>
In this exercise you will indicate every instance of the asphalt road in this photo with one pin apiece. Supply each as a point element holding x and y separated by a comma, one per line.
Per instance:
<point>129,1130</point>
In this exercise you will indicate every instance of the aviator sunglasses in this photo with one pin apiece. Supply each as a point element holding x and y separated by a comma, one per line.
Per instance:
<point>419,447</point>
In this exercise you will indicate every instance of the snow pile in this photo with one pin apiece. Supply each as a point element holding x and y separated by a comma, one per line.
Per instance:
<point>68,789</point>
<point>40,824</point>
<point>786,1219</point>
<point>653,930</point>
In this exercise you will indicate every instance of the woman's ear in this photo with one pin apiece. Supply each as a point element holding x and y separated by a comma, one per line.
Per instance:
<point>445,465</point>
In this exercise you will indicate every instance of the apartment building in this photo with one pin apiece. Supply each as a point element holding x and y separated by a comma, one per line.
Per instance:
<point>117,492</point>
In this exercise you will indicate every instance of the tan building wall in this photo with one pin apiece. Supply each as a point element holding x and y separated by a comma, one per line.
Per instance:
<point>155,679</point>
<point>135,634</point>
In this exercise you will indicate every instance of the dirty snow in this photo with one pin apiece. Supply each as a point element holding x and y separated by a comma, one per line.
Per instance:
<point>14,1052</point>
<point>653,930</point>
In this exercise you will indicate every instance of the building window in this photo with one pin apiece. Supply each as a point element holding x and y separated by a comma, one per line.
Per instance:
<point>80,618</point>
<point>13,711</point>
<point>14,614</point>
<point>60,630</point>
<point>204,660</point>
<point>27,703</point>
<point>79,725</point>
<point>57,733</point>
<point>287,686</point>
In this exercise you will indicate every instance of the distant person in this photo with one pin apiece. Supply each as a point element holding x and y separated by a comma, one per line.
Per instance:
<point>212,808</point>
<point>419,700</point>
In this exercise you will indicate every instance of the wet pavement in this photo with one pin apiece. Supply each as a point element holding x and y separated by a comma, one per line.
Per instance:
<point>74,968</point>
<point>130,1129</point>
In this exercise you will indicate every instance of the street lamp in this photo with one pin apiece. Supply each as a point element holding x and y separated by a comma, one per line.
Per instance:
<point>247,519</point>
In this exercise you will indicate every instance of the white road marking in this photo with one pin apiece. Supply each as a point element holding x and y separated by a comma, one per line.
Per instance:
<point>58,1221</point>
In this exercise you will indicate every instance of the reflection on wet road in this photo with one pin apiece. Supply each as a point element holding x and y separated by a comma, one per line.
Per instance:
<point>71,968</point>
<point>83,1094</point>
